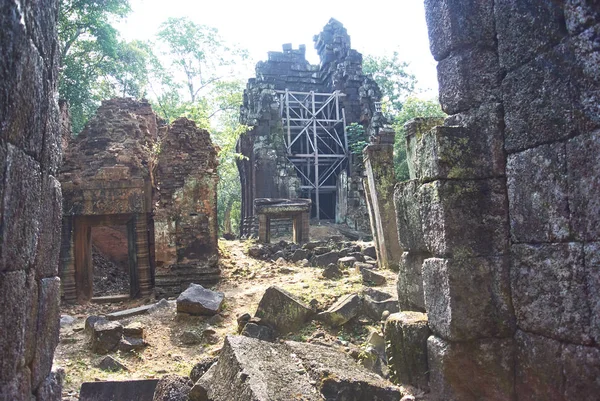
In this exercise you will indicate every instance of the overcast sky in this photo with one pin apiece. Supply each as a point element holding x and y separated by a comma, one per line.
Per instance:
<point>376,27</point>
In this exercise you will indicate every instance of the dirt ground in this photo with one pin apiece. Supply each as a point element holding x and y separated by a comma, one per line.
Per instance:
<point>244,281</point>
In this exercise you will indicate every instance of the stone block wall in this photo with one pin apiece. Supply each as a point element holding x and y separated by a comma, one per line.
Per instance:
<point>504,202</point>
<point>30,149</point>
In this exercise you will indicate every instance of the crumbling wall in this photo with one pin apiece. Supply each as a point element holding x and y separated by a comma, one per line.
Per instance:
<point>505,201</point>
<point>266,172</point>
<point>30,148</point>
<point>185,218</point>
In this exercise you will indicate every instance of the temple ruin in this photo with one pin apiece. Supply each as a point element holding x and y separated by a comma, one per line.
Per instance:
<point>298,145</point>
<point>127,168</point>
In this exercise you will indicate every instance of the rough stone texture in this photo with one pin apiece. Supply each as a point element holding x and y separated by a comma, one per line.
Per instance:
<point>258,331</point>
<point>406,335</point>
<point>30,196</point>
<point>408,216</point>
<point>537,194</point>
<point>376,302</point>
<point>472,371</point>
<point>172,388</point>
<point>583,186</point>
<point>592,272</point>
<point>468,298</point>
<point>110,364</point>
<point>106,336</point>
<point>201,368</point>
<point>249,369</point>
<point>325,259</point>
<point>464,218</point>
<point>129,390</point>
<point>549,291</point>
<point>281,310</point>
<point>341,312</point>
<point>197,300</point>
<point>410,281</point>
<point>369,276</point>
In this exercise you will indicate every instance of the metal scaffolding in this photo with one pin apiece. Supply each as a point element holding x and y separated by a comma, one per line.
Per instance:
<point>316,140</point>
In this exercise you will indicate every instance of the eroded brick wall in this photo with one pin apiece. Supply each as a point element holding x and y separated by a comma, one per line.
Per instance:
<point>30,213</point>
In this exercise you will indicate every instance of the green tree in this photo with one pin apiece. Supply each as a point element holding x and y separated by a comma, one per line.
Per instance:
<point>411,108</point>
<point>395,82</point>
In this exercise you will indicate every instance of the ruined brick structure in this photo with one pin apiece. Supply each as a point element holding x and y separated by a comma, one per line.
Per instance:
<point>268,171</point>
<point>127,168</point>
<point>31,199</point>
<point>500,225</point>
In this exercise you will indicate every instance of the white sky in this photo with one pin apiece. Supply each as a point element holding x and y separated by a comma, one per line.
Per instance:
<point>376,27</point>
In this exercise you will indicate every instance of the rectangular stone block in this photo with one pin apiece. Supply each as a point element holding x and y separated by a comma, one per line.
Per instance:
<point>472,371</point>
<point>459,153</point>
<point>592,271</point>
<point>410,281</point>
<point>542,101</point>
<point>469,298</point>
<point>581,367</point>
<point>526,28</point>
<point>414,130</point>
<point>464,218</point>
<point>21,210</point>
<point>549,291</point>
<point>537,194</point>
<point>458,24</point>
<point>13,321</point>
<point>583,166</point>
<point>48,327</point>
<point>467,79</point>
<point>538,368</point>
<point>406,335</point>
<point>587,51</point>
<point>47,253</point>
<point>408,216</point>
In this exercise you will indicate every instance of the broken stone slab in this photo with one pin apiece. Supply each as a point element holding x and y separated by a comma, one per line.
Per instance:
<point>313,244</point>
<point>134,329</point>
<point>325,259</point>
<point>376,302</point>
<point>161,305</point>
<point>261,332</point>
<point>282,311</point>
<point>250,369</point>
<point>189,337</point>
<point>368,275</point>
<point>406,335</point>
<point>370,251</point>
<point>128,344</point>
<point>90,321</point>
<point>202,367</point>
<point>346,262</point>
<point>173,388</point>
<point>299,254</point>
<point>331,271</point>
<point>242,320</point>
<point>130,390</point>
<point>140,310</point>
<point>105,336</point>
<point>110,364</point>
<point>321,250</point>
<point>344,310</point>
<point>197,300</point>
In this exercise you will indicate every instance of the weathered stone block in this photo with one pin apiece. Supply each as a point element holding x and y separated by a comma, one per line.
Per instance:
<point>539,373</point>
<point>197,300</point>
<point>172,388</point>
<point>580,14</point>
<point>526,28</point>
<point>106,336</point>
<point>281,310</point>
<point>48,328</point>
<point>583,167</point>
<point>464,218</point>
<point>414,130</point>
<point>537,194</point>
<point>13,321</point>
<point>410,281</point>
<point>408,216</point>
<point>587,51</point>
<point>467,79</point>
<point>592,272</point>
<point>581,367</point>
<point>459,153</point>
<point>541,101</point>
<point>406,336</point>
<point>50,228</point>
<point>459,24</point>
<point>549,291</point>
<point>325,259</point>
<point>473,371</point>
<point>341,312</point>
<point>51,388</point>
<point>21,210</point>
<point>468,298</point>
<point>376,302</point>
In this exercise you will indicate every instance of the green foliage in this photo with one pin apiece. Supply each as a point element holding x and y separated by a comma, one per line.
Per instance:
<point>357,141</point>
<point>395,82</point>
<point>413,107</point>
